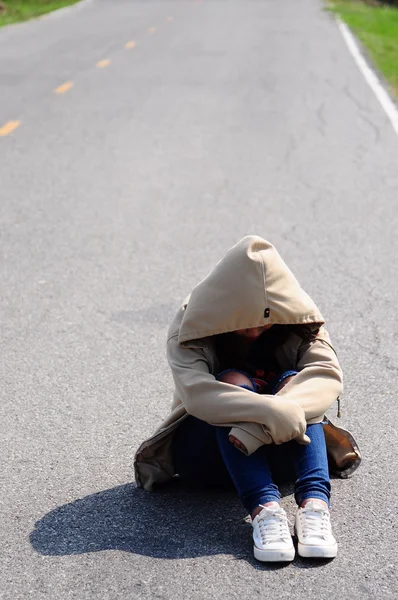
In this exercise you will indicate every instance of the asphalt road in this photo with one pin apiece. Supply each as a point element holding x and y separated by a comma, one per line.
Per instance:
<point>117,196</point>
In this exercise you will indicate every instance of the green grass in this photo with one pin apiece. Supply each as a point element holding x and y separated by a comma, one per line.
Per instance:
<point>377,28</point>
<point>12,11</point>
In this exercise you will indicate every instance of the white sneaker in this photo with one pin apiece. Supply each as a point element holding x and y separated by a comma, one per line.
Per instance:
<point>271,535</point>
<point>314,531</point>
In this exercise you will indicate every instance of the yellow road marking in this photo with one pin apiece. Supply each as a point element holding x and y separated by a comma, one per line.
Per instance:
<point>9,127</point>
<point>130,45</point>
<point>103,63</point>
<point>65,87</point>
<point>152,30</point>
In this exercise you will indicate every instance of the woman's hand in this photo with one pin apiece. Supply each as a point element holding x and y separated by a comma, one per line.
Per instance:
<point>237,443</point>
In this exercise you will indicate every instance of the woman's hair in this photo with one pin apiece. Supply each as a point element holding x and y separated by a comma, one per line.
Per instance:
<point>306,332</point>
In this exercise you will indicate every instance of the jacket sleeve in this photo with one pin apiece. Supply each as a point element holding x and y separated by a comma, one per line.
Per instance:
<point>221,403</point>
<point>319,380</point>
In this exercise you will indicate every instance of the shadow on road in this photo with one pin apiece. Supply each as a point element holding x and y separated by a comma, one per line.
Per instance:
<point>171,523</point>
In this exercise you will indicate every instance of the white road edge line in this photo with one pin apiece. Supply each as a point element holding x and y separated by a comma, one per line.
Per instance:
<point>370,76</point>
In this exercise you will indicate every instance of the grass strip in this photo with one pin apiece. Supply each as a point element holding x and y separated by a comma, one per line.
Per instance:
<point>376,26</point>
<point>12,11</point>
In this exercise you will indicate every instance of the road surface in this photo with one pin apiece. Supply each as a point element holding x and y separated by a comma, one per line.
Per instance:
<point>140,140</point>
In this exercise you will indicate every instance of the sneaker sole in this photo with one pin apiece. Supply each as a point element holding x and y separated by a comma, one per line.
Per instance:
<point>274,555</point>
<point>317,551</point>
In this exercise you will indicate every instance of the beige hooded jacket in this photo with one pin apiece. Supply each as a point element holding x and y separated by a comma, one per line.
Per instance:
<point>250,287</point>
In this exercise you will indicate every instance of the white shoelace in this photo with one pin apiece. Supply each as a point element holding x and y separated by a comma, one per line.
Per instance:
<point>315,522</point>
<point>273,525</point>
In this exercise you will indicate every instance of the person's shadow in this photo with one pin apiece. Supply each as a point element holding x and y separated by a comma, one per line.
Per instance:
<point>171,523</point>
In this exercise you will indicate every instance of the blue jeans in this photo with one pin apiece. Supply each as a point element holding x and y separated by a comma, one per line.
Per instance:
<point>203,456</point>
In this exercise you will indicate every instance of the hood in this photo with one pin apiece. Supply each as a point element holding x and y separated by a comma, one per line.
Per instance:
<point>251,286</point>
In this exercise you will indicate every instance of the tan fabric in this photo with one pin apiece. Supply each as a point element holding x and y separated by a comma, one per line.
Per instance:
<point>250,287</point>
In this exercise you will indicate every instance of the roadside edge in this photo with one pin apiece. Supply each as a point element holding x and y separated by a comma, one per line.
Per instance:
<point>386,101</point>
<point>55,14</point>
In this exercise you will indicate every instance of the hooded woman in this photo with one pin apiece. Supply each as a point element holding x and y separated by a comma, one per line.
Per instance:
<point>254,373</point>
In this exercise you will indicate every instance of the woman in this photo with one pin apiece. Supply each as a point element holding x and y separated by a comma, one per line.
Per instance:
<point>254,373</point>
